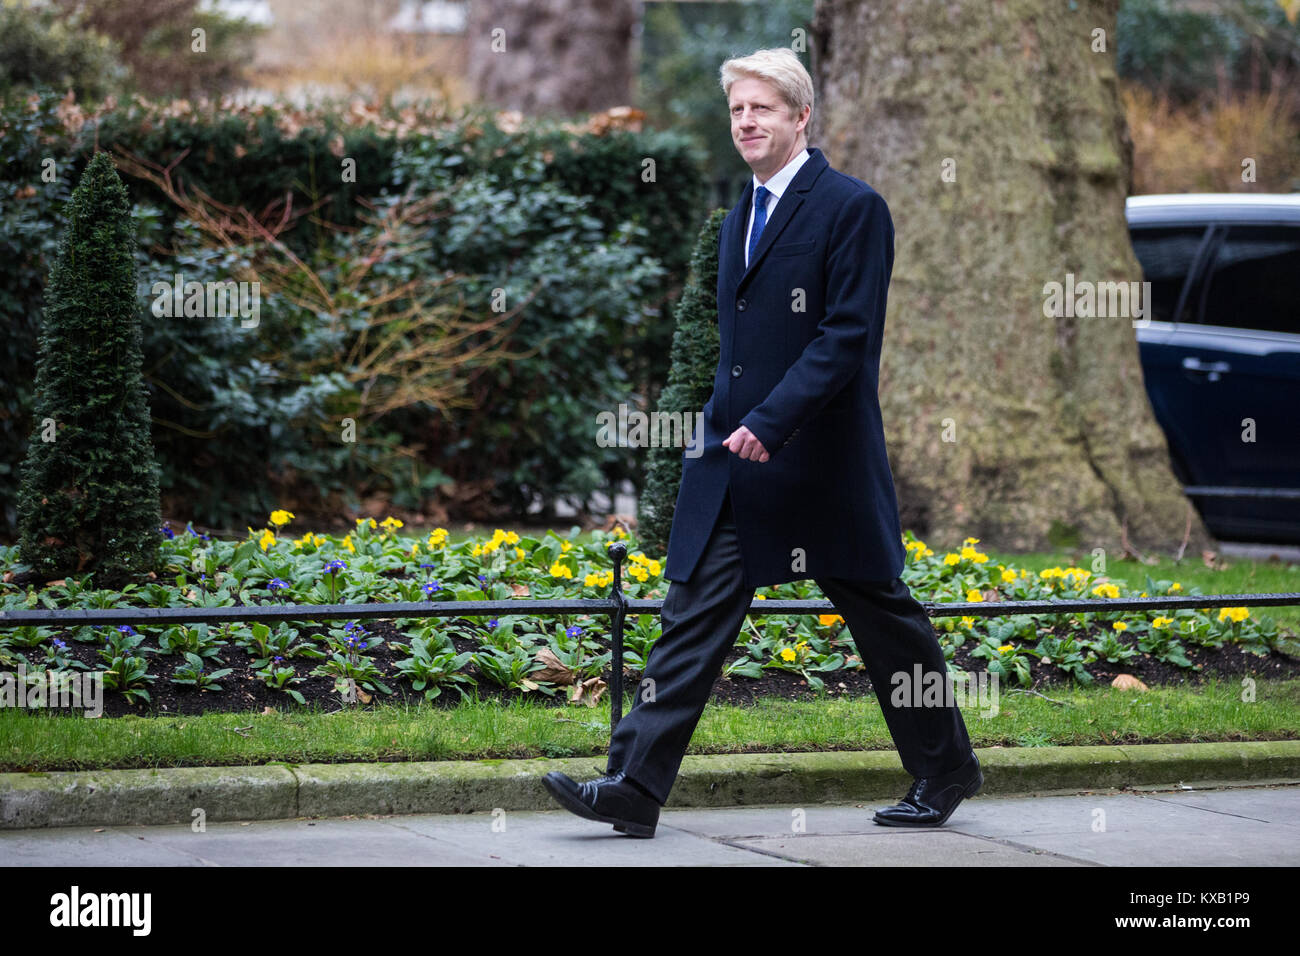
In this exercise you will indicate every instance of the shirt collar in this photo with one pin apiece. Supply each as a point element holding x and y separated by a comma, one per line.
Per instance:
<point>776,185</point>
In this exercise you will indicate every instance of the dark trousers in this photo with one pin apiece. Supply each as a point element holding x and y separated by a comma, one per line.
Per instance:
<point>701,619</point>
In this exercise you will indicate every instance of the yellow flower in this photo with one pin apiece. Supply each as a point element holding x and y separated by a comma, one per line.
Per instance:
<point>267,539</point>
<point>566,546</point>
<point>347,543</point>
<point>391,524</point>
<point>512,538</point>
<point>787,654</point>
<point>1106,590</point>
<point>437,537</point>
<point>1237,614</point>
<point>490,547</point>
<point>971,554</point>
<point>1162,621</point>
<point>1175,586</point>
<point>281,518</point>
<point>559,570</point>
<point>476,552</point>
<point>951,558</point>
<point>971,541</point>
<point>590,581</point>
<point>967,620</point>
<point>519,553</point>
<point>974,595</point>
<point>619,532</point>
<point>415,549</point>
<point>361,521</point>
<point>826,620</point>
<point>1006,647</point>
<point>1008,576</point>
<point>1120,626</point>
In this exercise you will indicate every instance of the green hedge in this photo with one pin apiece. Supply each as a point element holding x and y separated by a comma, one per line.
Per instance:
<point>239,426</point>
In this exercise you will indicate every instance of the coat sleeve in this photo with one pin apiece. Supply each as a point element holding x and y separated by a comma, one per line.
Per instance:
<point>860,256</point>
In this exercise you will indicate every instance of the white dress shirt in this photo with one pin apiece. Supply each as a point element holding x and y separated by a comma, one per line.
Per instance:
<point>776,186</point>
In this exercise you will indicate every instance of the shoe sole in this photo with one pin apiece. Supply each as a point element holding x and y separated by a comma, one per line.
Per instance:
<point>573,805</point>
<point>973,788</point>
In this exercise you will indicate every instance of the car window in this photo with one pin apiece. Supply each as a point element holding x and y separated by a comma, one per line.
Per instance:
<point>1254,281</point>
<point>1166,254</point>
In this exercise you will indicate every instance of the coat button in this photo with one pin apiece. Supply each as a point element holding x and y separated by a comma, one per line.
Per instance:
<point>735,371</point>
<point>741,305</point>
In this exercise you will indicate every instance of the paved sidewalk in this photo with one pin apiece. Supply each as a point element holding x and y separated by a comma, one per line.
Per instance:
<point>1251,826</point>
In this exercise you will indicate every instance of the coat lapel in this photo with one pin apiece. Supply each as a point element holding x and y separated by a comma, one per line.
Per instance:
<point>788,205</point>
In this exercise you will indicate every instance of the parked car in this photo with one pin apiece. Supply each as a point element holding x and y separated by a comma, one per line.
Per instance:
<point>1221,353</point>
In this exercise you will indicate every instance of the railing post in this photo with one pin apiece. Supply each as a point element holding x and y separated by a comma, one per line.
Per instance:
<point>617,551</point>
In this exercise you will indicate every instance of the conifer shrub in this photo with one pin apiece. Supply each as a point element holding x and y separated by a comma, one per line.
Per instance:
<point>88,497</point>
<point>694,361</point>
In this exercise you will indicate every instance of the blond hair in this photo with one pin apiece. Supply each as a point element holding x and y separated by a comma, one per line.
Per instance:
<point>778,66</point>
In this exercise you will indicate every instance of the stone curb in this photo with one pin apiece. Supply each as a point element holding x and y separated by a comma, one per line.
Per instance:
<point>283,791</point>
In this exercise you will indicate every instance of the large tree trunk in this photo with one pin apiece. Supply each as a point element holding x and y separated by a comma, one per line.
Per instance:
<point>551,56</point>
<point>1055,439</point>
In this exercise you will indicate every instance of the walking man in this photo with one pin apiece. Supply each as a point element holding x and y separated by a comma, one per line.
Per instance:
<point>794,479</point>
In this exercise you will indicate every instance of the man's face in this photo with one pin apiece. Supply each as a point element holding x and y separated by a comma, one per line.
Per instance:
<point>764,129</point>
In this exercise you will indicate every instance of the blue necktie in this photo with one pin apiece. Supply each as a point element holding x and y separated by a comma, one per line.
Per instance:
<point>760,218</point>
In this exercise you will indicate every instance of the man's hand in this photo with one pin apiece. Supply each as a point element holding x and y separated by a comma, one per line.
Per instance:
<point>745,444</point>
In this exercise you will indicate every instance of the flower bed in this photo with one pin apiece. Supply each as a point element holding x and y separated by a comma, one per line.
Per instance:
<point>565,658</point>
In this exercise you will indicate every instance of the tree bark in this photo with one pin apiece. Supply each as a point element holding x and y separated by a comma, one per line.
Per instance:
<point>1055,441</point>
<point>551,56</point>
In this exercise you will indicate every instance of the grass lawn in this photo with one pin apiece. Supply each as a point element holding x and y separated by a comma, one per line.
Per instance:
<point>1213,711</point>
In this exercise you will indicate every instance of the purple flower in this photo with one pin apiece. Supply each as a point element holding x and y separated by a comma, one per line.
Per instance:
<point>277,585</point>
<point>167,532</point>
<point>126,629</point>
<point>335,566</point>
<point>431,587</point>
<point>492,624</point>
<point>574,631</point>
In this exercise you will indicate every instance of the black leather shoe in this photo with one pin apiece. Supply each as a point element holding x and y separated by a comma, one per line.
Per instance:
<point>608,799</point>
<point>931,800</point>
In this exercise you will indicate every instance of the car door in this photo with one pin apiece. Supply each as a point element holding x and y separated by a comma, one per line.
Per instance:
<point>1171,257</point>
<point>1232,382</point>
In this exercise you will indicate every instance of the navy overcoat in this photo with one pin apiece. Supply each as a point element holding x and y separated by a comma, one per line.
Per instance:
<point>799,364</point>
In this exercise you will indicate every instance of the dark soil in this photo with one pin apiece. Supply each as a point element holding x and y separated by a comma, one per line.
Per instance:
<point>242,691</point>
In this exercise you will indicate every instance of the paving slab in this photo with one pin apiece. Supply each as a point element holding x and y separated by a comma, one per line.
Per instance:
<point>1254,826</point>
<point>1208,828</point>
<point>903,848</point>
<point>558,838</point>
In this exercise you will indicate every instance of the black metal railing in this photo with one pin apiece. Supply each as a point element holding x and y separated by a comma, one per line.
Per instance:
<point>617,606</point>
